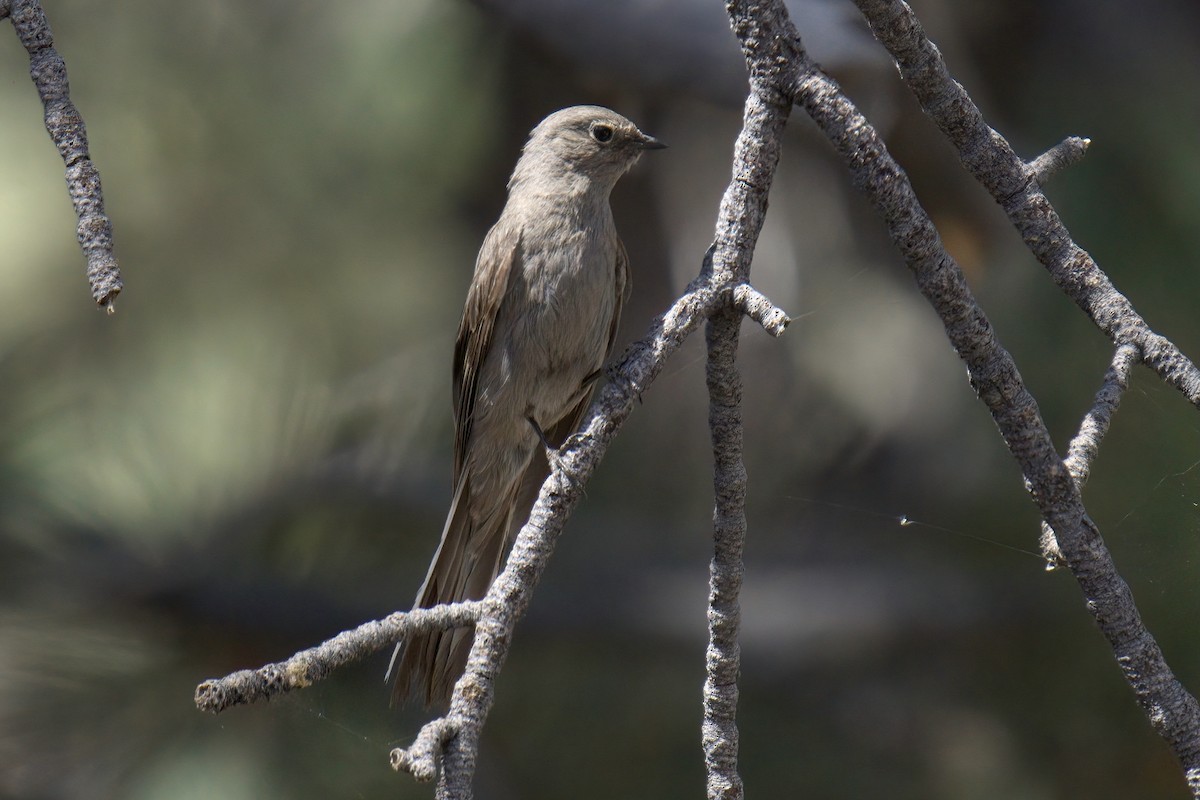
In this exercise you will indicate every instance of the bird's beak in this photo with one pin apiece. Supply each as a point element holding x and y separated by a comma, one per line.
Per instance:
<point>650,143</point>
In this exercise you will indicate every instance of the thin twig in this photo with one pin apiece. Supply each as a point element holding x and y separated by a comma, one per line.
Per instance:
<point>1086,444</point>
<point>67,131</point>
<point>309,666</point>
<point>1067,152</point>
<point>758,307</point>
<point>990,158</point>
<point>1092,429</point>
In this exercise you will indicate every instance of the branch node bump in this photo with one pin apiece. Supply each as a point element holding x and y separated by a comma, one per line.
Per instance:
<point>1066,153</point>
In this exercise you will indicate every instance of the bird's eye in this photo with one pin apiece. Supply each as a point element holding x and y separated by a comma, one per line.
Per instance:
<point>602,133</point>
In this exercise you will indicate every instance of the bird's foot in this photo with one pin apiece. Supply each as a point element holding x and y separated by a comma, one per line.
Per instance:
<point>554,455</point>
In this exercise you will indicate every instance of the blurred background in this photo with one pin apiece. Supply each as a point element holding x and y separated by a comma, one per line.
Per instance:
<point>254,452</point>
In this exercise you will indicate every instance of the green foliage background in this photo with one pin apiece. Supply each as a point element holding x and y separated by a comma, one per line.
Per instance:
<point>254,452</point>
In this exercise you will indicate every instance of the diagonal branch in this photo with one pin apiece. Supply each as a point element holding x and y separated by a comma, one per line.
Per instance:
<point>1086,444</point>
<point>309,666</point>
<point>1014,185</point>
<point>1172,711</point>
<point>66,129</point>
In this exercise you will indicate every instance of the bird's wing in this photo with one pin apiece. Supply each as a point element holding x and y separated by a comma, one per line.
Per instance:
<point>621,286</point>
<point>493,272</point>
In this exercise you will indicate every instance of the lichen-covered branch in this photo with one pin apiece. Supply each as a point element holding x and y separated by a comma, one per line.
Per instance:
<point>1012,182</point>
<point>1172,711</point>
<point>1086,444</point>
<point>67,131</point>
<point>758,307</point>
<point>309,666</point>
<point>719,731</point>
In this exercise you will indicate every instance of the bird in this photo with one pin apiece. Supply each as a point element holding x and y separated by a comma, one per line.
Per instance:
<point>538,325</point>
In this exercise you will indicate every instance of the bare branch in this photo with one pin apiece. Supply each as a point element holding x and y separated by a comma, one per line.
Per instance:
<point>1172,711</point>
<point>309,666</point>
<point>67,131</point>
<point>1086,443</point>
<point>990,158</point>
<point>1067,152</point>
<point>719,732</point>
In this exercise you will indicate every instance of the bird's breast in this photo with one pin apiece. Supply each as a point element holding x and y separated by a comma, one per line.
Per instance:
<point>561,306</point>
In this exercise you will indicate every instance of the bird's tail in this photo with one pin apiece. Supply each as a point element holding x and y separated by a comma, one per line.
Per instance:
<point>463,568</point>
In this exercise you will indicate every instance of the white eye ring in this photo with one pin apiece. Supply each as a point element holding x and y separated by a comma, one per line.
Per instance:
<point>602,133</point>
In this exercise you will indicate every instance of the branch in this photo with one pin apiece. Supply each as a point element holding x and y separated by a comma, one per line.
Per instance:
<point>309,666</point>
<point>1084,446</point>
<point>755,305</point>
<point>719,732</point>
<point>740,219</point>
<point>990,158</point>
<point>1172,711</point>
<point>1067,152</point>
<point>1086,443</point>
<point>67,131</point>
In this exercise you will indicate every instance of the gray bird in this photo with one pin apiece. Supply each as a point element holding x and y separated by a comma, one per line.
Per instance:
<point>539,323</point>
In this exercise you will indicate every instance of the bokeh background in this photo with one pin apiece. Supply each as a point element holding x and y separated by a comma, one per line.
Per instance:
<point>254,452</point>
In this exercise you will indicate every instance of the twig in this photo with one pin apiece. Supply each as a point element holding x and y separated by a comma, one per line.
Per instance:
<point>1067,152</point>
<point>759,308</point>
<point>1092,429</point>
<point>1084,446</point>
<point>740,219</point>
<point>309,666</point>
<point>67,131</point>
<point>990,158</point>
